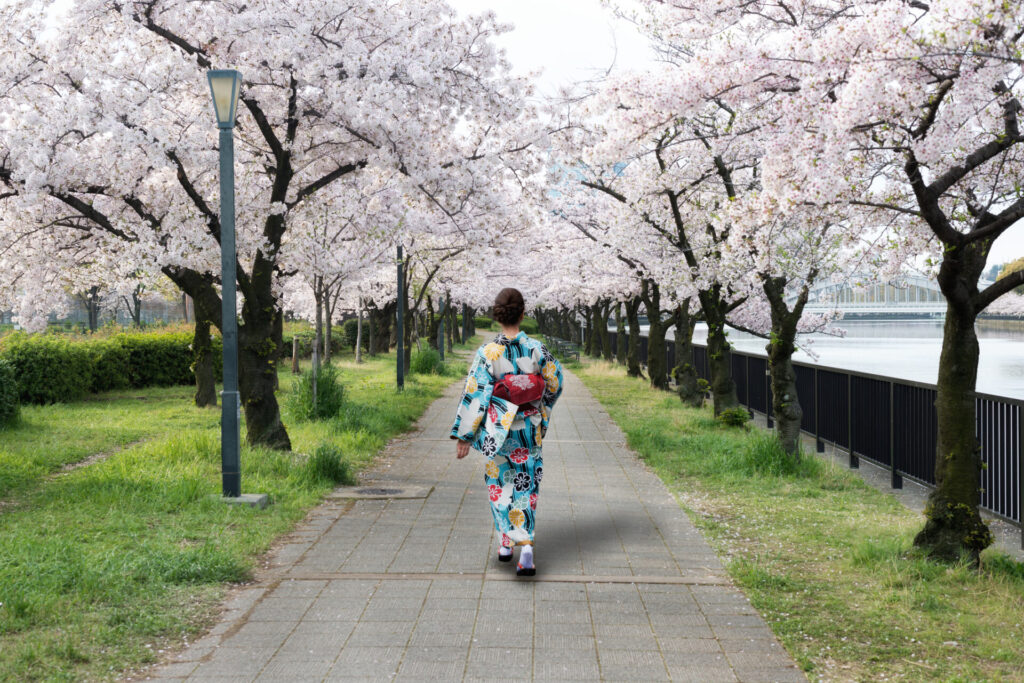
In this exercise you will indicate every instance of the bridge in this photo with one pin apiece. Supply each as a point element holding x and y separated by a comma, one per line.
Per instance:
<point>915,295</point>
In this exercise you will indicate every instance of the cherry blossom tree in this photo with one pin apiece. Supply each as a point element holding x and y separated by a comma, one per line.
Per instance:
<point>109,123</point>
<point>913,107</point>
<point>660,160</point>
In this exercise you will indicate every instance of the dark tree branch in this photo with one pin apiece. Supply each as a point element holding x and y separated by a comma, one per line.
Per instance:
<point>998,289</point>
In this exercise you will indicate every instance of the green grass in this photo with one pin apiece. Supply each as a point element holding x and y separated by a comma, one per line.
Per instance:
<point>105,566</point>
<point>826,559</point>
<point>48,437</point>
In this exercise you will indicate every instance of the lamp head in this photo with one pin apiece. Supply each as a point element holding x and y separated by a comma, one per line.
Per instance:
<point>224,87</point>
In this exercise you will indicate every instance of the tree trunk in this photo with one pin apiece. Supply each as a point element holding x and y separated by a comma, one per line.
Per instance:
<point>92,306</point>
<point>259,347</point>
<point>786,409</point>
<point>184,306</point>
<point>606,340</point>
<point>723,387</point>
<point>371,345</point>
<point>359,331</point>
<point>450,322</point>
<point>433,323</point>
<point>328,324</point>
<point>135,307</point>
<point>953,524</point>
<point>620,335</point>
<point>633,346</point>
<point>295,355</point>
<point>656,360</point>
<point>318,336</point>
<point>685,373</point>
<point>407,333</point>
<point>588,335</point>
<point>202,362</point>
<point>382,329</point>
<point>597,330</point>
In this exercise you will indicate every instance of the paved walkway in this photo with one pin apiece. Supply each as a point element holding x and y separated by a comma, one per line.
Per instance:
<point>410,589</point>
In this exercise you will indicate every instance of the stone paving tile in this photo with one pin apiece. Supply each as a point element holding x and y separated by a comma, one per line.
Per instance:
<point>602,513</point>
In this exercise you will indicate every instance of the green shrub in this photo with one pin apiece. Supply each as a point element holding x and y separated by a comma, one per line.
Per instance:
<point>9,404</point>
<point>482,322</point>
<point>339,343</point>
<point>330,395</point>
<point>52,368</point>
<point>49,369</point>
<point>426,362</point>
<point>327,464</point>
<point>530,326</point>
<point>734,417</point>
<point>109,364</point>
<point>158,359</point>
<point>350,329</point>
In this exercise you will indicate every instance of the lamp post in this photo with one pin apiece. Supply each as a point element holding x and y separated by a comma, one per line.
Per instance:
<point>224,87</point>
<point>399,336</point>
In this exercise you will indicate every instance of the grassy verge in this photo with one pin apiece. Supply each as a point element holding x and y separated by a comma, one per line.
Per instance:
<point>48,437</point>
<point>826,558</point>
<point>103,566</point>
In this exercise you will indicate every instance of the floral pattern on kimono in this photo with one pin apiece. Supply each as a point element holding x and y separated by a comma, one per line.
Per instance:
<point>508,435</point>
<point>485,420</point>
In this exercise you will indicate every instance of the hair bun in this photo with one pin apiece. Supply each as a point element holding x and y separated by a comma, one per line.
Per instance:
<point>509,306</point>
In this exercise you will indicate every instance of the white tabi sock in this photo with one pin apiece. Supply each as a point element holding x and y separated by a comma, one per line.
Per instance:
<point>526,557</point>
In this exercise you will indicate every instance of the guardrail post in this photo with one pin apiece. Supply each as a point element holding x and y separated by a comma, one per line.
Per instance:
<point>854,460</point>
<point>818,445</point>
<point>746,375</point>
<point>897,478</point>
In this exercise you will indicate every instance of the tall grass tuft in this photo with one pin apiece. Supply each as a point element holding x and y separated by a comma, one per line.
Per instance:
<point>330,394</point>
<point>764,456</point>
<point>426,362</point>
<point>328,464</point>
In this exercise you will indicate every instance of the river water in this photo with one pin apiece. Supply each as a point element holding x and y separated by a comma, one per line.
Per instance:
<point>906,349</point>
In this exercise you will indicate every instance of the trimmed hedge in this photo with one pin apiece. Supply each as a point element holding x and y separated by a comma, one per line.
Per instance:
<point>110,367</point>
<point>9,406</point>
<point>158,360</point>
<point>50,369</point>
<point>530,326</point>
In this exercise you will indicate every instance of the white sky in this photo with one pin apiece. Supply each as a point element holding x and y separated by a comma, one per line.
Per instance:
<point>574,40</point>
<point>571,40</point>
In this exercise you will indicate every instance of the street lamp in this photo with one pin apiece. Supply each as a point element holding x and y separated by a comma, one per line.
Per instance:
<point>399,331</point>
<point>224,87</point>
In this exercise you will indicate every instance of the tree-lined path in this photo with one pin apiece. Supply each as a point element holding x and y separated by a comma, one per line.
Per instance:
<point>410,588</point>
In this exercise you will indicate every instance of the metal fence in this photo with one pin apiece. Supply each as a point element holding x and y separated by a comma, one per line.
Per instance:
<point>890,422</point>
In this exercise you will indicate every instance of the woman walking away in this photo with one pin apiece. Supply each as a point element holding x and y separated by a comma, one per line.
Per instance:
<point>504,413</point>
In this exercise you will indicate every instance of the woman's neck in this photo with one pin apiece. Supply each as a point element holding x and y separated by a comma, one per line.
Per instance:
<point>510,332</point>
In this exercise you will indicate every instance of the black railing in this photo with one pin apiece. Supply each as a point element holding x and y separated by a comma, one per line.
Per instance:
<point>890,422</point>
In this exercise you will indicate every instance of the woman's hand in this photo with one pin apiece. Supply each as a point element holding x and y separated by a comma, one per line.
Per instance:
<point>461,449</point>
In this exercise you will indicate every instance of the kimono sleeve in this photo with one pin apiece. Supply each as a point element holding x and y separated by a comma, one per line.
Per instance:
<point>476,396</point>
<point>551,371</point>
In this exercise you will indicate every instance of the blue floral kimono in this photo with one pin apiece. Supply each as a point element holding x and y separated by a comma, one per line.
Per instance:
<point>508,435</point>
